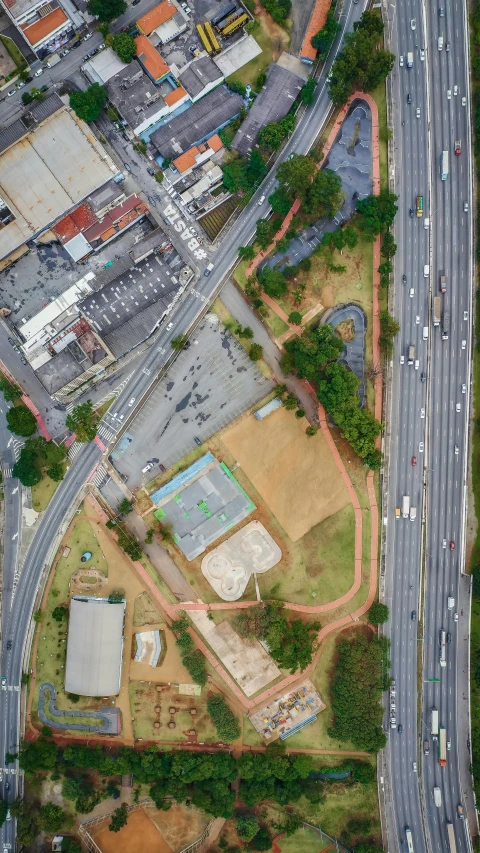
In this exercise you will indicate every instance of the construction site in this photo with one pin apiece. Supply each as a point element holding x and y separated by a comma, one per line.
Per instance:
<point>289,713</point>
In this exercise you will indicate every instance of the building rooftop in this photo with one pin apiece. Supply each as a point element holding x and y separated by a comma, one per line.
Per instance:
<point>39,30</point>
<point>197,123</point>
<point>197,154</point>
<point>156,17</point>
<point>150,58</point>
<point>94,647</point>
<point>17,8</point>
<point>201,503</point>
<point>103,66</point>
<point>317,20</point>
<point>272,104</point>
<point>137,98</point>
<point>199,74</point>
<point>47,173</point>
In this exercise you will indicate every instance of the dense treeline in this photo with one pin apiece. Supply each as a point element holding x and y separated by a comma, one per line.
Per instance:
<point>361,674</point>
<point>475,680</point>
<point>290,643</point>
<point>362,63</point>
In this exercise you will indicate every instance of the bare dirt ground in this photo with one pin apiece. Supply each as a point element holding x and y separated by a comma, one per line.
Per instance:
<point>150,706</point>
<point>139,835</point>
<point>144,611</point>
<point>296,475</point>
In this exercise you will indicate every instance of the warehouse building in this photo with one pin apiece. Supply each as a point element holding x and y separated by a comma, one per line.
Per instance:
<point>94,646</point>
<point>280,92</point>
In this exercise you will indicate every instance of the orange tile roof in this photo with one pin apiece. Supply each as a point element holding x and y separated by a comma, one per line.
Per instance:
<point>175,96</point>
<point>317,21</point>
<point>215,143</point>
<point>150,58</point>
<point>186,160</point>
<point>156,17</point>
<point>42,28</point>
<point>107,234</point>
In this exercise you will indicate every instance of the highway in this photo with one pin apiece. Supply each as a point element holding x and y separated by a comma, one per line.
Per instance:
<point>17,621</point>
<point>436,484</point>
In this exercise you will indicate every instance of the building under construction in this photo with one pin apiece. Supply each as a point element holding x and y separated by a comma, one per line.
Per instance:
<point>289,713</point>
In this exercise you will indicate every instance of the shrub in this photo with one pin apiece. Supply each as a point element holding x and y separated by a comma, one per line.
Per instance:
<point>225,721</point>
<point>21,421</point>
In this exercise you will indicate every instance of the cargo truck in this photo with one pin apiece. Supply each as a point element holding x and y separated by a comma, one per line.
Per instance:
<point>398,513</point>
<point>409,60</point>
<point>437,310</point>
<point>443,282</point>
<point>442,747</point>
<point>52,60</point>
<point>434,723</point>
<point>445,325</point>
<point>413,513</point>
<point>411,354</point>
<point>443,637</point>
<point>437,797</point>
<point>406,506</point>
<point>450,603</point>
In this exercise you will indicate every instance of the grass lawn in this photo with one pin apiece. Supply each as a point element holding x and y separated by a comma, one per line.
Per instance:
<point>275,324</point>
<point>343,802</point>
<point>52,644</point>
<point>43,492</point>
<point>268,36</point>
<point>304,839</point>
<point>13,50</point>
<point>380,96</point>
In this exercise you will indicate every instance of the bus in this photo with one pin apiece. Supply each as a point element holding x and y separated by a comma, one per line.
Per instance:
<point>451,837</point>
<point>419,205</point>
<point>203,38</point>
<point>408,836</point>
<point>444,166</point>
<point>211,36</point>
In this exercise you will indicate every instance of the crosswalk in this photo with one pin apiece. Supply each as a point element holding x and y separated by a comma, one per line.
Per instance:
<point>100,477</point>
<point>106,432</point>
<point>74,449</point>
<point>7,472</point>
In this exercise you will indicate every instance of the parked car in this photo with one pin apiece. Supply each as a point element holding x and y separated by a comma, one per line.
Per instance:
<point>147,467</point>
<point>150,170</point>
<point>38,72</point>
<point>88,36</point>
<point>197,440</point>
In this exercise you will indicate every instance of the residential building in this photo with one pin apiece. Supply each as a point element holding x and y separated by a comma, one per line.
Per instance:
<point>44,25</point>
<point>281,89</point>
<point>150,59</point>
<point>163,23</point>
<point>196,156</point>
<point>141,103</point>
<point>103,66</point>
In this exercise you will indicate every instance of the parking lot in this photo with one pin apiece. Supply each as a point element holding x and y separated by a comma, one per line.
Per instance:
<point>210,384</point>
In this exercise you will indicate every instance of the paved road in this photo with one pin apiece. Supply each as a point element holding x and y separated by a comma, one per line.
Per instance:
<point>439,473</point>
<point>17,621</point>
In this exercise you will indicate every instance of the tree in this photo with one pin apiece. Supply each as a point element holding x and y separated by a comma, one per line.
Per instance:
<point>313,350</point>
<point>234,176</point>
<point>21,421</point>
<point>325,37</point>
<point>271,136</point>
<point>311,430</point>
<point>247,253</point>
<point>180,342</point>
<point>324,195</point>
<point>378,613</point>
<point>389,247</point>
<point>159,176</point>
<point>106,10</point>
<point>89,104</point>
<point>83,421</point>
<point>262,840</point>
<point>224,720</point>
<point>9,390</point>
<point>25,468</point>
<point>308,91</point>
<point>40,755</point>
<point>273,282</point>
<point>388,329</point>
<point>125,506</point>
<point>290,402</point>
<point>279,390</point>
<point>245,332</point>
<point>280,202</point>
<point>56,472</point>
<point>295,317</point>
<point>264,233</point>
<point>378,213</point>
<point>3,811</point>
<point>295,175</point>
<point>59,613</point>
<point>124,46</point>
<point>361,63</point>
<point>337,388</point>
<point>255,352</point>
<point>33,94</point>
<point>51,818</point>
<point>247,827</point>
<point>256,168</point>
<point>119,818</point>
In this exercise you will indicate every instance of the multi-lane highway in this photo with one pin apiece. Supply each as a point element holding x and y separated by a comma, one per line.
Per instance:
<point>17,619</point>
<point>429,421</point>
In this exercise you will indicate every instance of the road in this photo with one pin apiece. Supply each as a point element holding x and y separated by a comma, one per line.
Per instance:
<point>436,484</point>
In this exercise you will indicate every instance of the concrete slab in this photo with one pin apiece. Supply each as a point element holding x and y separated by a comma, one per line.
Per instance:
<point>229,566</point>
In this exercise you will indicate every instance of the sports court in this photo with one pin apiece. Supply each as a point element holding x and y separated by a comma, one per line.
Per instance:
<point>296,475</point>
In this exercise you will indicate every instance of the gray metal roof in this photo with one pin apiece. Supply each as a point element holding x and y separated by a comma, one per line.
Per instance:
<point>95,647</point>
<point>32,116</point>
<point>198,74</point>
<point>272,104</point>
<point>197,123</point>
<point>134,95</point>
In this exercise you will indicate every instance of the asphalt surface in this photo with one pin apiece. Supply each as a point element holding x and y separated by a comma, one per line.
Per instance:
<point>17,621</point>
<point>109,716</point>
<point>436,484</point>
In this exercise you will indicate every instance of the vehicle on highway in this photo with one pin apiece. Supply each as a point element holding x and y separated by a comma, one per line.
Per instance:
<point>426,270</point>
<point>455,91</point>
<point>449,745</point>
<point>450,603</point>
<point>131,402</point>
<point>412,213</point>
<point>464,344</point>
<point>412,292</point>
<point>406,506</point>
<point>411,354</point>
<point>458,147</point>
<point>9,816</point>
<point>426,747</point>
<point>464,389</point>
<point>440,43</point>
<point>402,359</point>
<point>11,341</point>
<point>455,617</point>
<point>441,12</point>
<point>409,98</point>
<point>209,269</point>
<point>53,60</point>
<point>422,413</point>
<point>452,545</point>
<point>465,206</point>
<point>414,615</point>
<point>449,640</point>
<point>444,543</point>
<point>419,204</point>
<point>414,460</point>
<point>422,54</point>
<point>458,407</point>
<point>445,325</point>
<point>170,326</point>
<point>414,766</point>
<point>423,377</point>
<point>444,165</point>
<point>413,24</point>
<point>457,450</point>
<point>75,44</point>
<point>261,200</point>
<point>460,813</point>
<point>3,682</point>
<point>417,112</point>
<point>401,62</point>
<point>464,101</point>
<point>399,728</point>
<point>409,60</point>
<point>38,72</point>
<point>417,364</point>
<point>404,279</point>
<point>449,94</point>
<point>437,310</point>
<point>443,282</point>
<point>147,467</point>
<point>9,645</point>
<point>413,513</point>
<point>136,2</point>
<point>7,786</point>
<point>420,447</point>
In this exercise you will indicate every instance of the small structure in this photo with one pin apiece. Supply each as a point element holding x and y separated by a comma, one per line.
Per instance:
<point>267,409</point>
<point>149,647</point>
<point>87,555</point>
<point>228,567</point>
<point>288,713</point>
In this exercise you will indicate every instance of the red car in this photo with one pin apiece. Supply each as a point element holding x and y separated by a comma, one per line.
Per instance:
<point>452,545</point>
<point>414,460</point>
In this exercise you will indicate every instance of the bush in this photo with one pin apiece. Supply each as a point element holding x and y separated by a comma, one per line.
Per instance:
<point>255,352</point>
<point>224,720</point>
<point>247,827</point>
<point>295,317</point>
<point>89,104</point>
<point>21,421</point>
<point>378,614</point>
<point>124,46</point>
<point>59,614</point>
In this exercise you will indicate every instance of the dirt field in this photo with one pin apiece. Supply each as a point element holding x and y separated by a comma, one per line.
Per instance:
<point>144,611</point>
<point>138,836</point>
<point>144,698</point>
<point>295,475</point>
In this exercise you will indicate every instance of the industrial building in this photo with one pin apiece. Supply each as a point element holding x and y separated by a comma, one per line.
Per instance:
<point>200,77</point>
<point>49,162</point>
<point>201,504</point>
<point>142,103</point>
<point>197,124</point>
<point>94,646</point>
<point>278,95</point>
<point>103,66</point>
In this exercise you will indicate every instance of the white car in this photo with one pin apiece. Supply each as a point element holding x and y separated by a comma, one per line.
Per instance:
<point>170,326</point>
<point>422,54</point>
<point>464,101</point>
<point>412,292</point>
<point>455,619</point>
<point>449,744</point>
<point>413,24</point>
<point>131,402</point>
<point>464,389</point>
<point>420,447</point>
<point>402,359</point>
<point>444,543</point>
<point>261,200</point>
<point>147,467</point>
<point>414,766</point>
<point>449,94</point>
<point>456,450</point>
<point>417,364</point>
<point>88,36</point>
<point>422,413</point>
<point>458,407</point>
<point>417,113</point>
<point>455,90</point>
<point>464,344</point>
<point>20,85</point>
<point>417,320</point>
<point>465,315</point>
<point>11,92</point>
<point>465,206</point>
<point>401,62</point>
<point>39,72</point>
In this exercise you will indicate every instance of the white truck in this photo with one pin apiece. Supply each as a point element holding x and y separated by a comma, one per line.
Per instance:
<point>208,270</point>
<point>406,506</point>
<point>437,797</point>
<point>450,603</point>
<point>52,60</point>
<point>409,60</point>
<point>413,513</point>
<point>434,723</point>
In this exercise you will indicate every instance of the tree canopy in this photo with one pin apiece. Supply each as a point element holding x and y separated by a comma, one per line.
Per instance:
<point>324,195</point>
<point>273,282</point>
<point>378,613</point>
<point>9,390</point>
<point>119,818</point>
<point>225,721</point>
<point>378,213</point>
<point>325,37</point>
<point>241,175</point>
<point>21,421</point>
<point>83,421</point>
<point>272,135</point>
<point>361,64</point>
<point>278,9</point>
<point>106,10</point>
<point>295,175</point>
<point>89,104</point>
<point>124,46</point>
<point>290,643</point>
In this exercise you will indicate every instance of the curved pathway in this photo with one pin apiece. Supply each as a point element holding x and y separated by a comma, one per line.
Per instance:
<point>109,724</point>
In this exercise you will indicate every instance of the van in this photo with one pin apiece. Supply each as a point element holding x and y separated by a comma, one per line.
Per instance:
<point>425,333</point>
<point>208,269</point>
<point>426,223</point>
<point>417,364</point>
<point>440,42</point>
<point>426,271</point>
